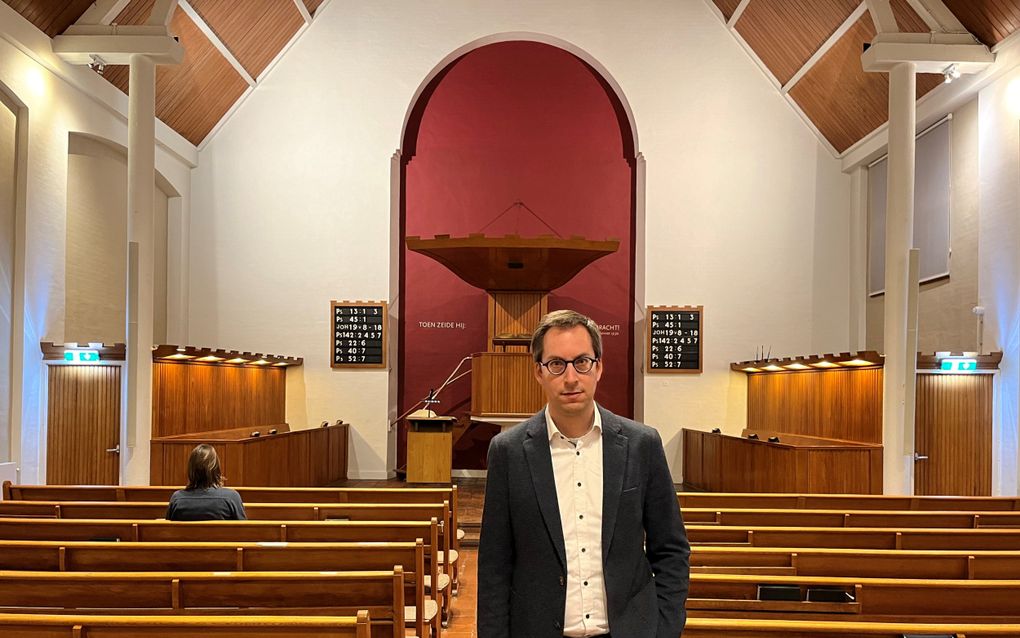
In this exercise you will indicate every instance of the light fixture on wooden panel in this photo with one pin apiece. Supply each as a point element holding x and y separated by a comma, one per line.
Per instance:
<point>219,356</point>
<point>958,362</point>
<point>811,363</point>
<point>83,353</point>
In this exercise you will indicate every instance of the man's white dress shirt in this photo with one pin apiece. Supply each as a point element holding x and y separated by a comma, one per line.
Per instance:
<point>577,468</point>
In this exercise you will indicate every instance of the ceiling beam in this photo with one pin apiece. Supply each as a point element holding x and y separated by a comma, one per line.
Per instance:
<point>946,19</point>
<point>883,17</point>
<point>828,44</point>
<point>303,10</point>
<point>102,12</point>
<point>162,13</point>
<point>206,30</point>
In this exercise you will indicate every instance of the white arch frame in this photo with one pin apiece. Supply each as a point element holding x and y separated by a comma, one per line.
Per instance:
<point>395,239</point>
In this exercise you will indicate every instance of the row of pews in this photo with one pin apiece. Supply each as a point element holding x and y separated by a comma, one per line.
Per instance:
<point>366,562</point>
<point>763,565</point>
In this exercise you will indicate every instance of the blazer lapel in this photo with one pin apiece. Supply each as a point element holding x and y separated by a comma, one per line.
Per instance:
<point>536,451</point>
<point>614,464</point>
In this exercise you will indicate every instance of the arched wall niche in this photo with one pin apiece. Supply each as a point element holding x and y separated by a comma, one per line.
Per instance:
<point>96,236</point>
<point>513,134</point>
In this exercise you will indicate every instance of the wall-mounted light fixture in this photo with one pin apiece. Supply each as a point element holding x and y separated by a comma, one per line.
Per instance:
<point>950,73</point>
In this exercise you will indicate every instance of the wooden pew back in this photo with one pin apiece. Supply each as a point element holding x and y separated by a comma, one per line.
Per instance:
<point>848,518</point>
<point>857,537</point>
<point>731,500</point>
<point>866,598</point>
<point>381,593</point>
<point>77,626</point>
<point>730,628</point>
<point>951,565</point>
<point>78,556</point>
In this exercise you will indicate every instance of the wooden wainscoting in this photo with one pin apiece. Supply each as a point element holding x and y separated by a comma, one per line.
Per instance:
<point>953,428</point>
<point>83,422</point>
<point>194,397</point>
<point>843,404</point>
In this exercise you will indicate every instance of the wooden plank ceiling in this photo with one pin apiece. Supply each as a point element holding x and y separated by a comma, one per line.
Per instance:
<point>824,79</point>
<point>228,47</point>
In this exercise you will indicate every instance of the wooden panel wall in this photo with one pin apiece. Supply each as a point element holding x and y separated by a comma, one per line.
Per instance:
<point>191,397</point>
<point>83,422</point>
<point>504,383</point>
<point>304,458</point>
<point>721,463</point>
<point>841,404</point>
<point>953,426</point>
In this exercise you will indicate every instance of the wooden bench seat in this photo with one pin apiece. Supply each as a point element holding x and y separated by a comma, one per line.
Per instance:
<point>79,556</point>
<point>78,626</point>
<point>161,531</point>
<point>733,500</point>
<point>730,628</point>
<point>856,537</point>
<point>849,518</point>
<point>161,494</point>
<point>980,565</point>
<point>866,599</point>
<point>381,593</point>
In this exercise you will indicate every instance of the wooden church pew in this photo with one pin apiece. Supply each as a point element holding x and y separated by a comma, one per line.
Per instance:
<point>735,628</point>
<point>153,493</point>
<point>729,500</point>
<point>849,518</point>
<point>381,593</point>
<point>865,599</point>
<point>857,537</point>
<point>79,556</point>
<point>981,565</point>
<point>80,626</point>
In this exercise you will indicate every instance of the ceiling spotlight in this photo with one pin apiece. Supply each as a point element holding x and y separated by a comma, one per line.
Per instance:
<point>950,73</point>
<point>97,64</point>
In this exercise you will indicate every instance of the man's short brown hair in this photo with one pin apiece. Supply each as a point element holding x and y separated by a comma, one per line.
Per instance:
<point>565,319</point>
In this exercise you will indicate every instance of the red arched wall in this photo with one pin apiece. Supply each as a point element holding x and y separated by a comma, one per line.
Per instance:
<point>508,122</point>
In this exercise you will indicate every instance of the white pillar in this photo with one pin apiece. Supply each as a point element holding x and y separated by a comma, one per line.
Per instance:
<point>858,258</point>
<point>141,191</point>
<point>898,426</point>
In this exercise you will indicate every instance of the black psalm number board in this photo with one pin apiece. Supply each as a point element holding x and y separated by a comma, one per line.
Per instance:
<point>674,339</point>
<point>359,334</point>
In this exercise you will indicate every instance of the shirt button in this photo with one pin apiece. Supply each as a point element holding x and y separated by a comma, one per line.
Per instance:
<point>587,615</point>
<point>583,550</point>
<point>581,516</point>
<point>579,484</point>
<point>579,454</point>
<point>585,583</point>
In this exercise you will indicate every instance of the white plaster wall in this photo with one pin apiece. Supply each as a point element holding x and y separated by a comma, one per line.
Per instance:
<point>291,197</point>
<point>55,105</point>
<point>999,260</point>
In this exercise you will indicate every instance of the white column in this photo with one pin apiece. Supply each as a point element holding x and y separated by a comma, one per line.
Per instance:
<point>899,367</point>
<point>141,191</point>
<point>858,258</point>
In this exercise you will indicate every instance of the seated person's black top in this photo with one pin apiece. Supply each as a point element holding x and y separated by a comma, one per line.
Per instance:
<point>210,504</point>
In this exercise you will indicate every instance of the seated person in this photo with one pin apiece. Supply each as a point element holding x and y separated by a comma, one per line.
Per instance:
<point>205,498</point>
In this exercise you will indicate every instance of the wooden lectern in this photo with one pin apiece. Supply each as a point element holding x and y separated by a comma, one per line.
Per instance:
<point>430,449</point>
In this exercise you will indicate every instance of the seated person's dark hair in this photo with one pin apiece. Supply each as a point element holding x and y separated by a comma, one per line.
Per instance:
<point>204,468</point>
<point>205,498</point>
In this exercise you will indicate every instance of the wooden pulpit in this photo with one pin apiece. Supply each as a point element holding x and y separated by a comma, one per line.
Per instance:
<point>518,273</point>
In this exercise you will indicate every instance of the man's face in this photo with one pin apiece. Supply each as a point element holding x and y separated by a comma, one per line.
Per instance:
<point>570,394</point>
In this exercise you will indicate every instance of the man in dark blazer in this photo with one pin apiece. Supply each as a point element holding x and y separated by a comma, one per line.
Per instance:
<point>544,570</point>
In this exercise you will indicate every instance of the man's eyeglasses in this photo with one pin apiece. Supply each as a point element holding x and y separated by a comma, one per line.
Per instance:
<point>556,367</point>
